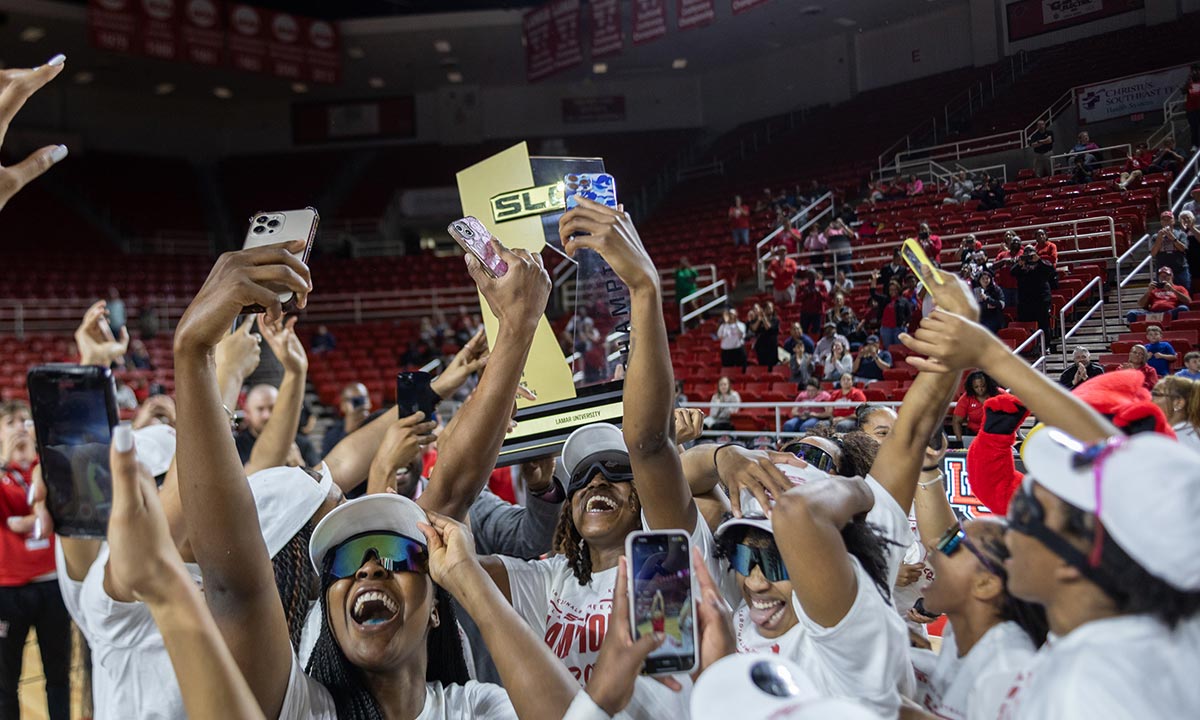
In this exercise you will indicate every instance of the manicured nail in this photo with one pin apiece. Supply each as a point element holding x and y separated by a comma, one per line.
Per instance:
<point>123,437</point>
<point>57,60</point>
<point>59,152</point>
<point>37,528</point>
<point>29,496</point>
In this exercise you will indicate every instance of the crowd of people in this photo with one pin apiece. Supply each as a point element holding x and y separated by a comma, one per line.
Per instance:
<point>241,577</point>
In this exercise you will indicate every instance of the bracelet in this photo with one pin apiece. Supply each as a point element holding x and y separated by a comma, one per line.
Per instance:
<point>553,494</point>
<point>931,468</point>
<point>715,453</point>
<point>934,481</point>
<point>232,417</point>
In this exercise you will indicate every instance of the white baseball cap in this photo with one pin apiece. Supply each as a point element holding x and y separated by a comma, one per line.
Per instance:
<point>286,498</point>
<point>155,447</point>
<point>752,511</point>
<point>589,440</point>
<point>1144,488</point>
<point>387,512</point>
<point>766,687</point>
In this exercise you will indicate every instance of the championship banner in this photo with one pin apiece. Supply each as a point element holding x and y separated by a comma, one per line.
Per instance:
<point>1129,95</point>
<point>568,50</point>
<point>694,13</point>
<point>112,25</point>
<point>159,35</point>
<point>741,6</point>
<point>520,199</point>
<point>284,52</point>
<point>538,29</point>
<point>322,54</point>
<point>607,37</point>
<point>248,38</point>
<point>649,20</point>
<point>202,34</point>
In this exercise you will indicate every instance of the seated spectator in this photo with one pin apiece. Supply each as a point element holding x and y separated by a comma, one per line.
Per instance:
<point>797,338</point>
<point>139,357</point>
<point>966,250</point>
<point>1170,249</point>
<point>896,269</point>
<point>732,336</point>
<point>842,283</point>
<point>1137,165</point>
<point>1046,250</point>
<point>725,402</point>
<point>1002,267</point>
<point>834,311</point>
<point>847,325</point>
<point>828,337</point>
<point>992,196</point>
<point>1179,399</point>
<point>739,221</point>
<point>968,410</point>
<point>355,407</point>
<point>1167,159</point>
<point>322,340</point>
<point>914,186</point>
<point>1081,174</point>
<point>801,364</point>
<point>804,418</point>
<point>991,301</point>
<point>1041,142</point>
<point>1138,358</point>
<point>1084,149</point>
<point>1191,366</point>
<point>960,189</point>
<point>846,392</point>
<point>1162,296</point>
<point>837,363</point>
<point>1160,352</point>
<point>1080,370</point>
<point>822,282</point>
<point>930,243</point>
<point>840,236</point>
<point>876,193</point>
<point>812,297</point>
<point>871,361</point>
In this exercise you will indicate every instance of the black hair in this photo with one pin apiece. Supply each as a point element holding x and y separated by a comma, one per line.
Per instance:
<point>352,698</point>
<point>858,449</point>
<point>991,387</point>
<point>1134,590</point>
<point>569,543</point>
<point>1031,617</point>
<point>296,581</point>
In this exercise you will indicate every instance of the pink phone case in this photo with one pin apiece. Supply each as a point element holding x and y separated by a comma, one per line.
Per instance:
<point>475,239</point>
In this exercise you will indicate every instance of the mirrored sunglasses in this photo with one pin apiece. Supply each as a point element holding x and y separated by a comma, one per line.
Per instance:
<point>744,558</point>
<point>395,553</point>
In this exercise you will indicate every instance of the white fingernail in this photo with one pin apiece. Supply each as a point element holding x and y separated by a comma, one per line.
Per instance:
<point>123,437</point>
<point>58,153</point>
<point>29,496</point>
<point>57,60</point>
<point>37,528</point>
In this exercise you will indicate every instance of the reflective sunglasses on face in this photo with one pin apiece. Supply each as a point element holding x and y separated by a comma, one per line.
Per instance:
<point>613,467</point>
<point>813,455</point>
<point>395,553</point>
<point>744,558</point>
<point>955,538</point>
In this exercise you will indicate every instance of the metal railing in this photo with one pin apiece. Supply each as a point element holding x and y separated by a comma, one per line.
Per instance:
<point>1106,156</point>
<point>812,219</point>
<point>1098,306</point>
<point>720,294</point>
<point>1173,109</point>
<point>1040,337</point>
<point>565,280</point>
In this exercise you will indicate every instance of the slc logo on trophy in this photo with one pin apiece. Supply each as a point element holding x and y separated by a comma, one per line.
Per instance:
<point>584,337</point>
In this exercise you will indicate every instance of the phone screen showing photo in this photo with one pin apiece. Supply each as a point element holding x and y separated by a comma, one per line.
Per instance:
<point>661,576</point>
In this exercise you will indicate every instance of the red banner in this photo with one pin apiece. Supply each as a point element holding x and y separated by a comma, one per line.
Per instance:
<point>159,36</point>
<point>248,38</point>
<point>607,37</point>
<point>538,27</point>
<point>1029,18</point>
<point>322,52</point>
<point>113,25</point>
<point>694,13</point>
<point>284,52</point>
<point>741,6</point>
<point>649,20</point>
<point>568,51</point>
<point>202,34</point>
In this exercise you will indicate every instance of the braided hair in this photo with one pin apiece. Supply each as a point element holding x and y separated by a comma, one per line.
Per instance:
<point>569,543</point>
<point>352,697</point>
<point>296,582</point>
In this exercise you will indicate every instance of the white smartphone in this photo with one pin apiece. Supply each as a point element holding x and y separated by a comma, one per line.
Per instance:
<point>279,227</point>
<point>661,597</point>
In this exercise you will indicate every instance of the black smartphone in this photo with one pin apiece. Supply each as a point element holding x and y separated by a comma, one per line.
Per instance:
<point>415,394</point>
<point>74,410</point>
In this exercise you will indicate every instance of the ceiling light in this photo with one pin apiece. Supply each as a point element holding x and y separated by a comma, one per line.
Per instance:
<point>356,52</point>
<point>164,88</point>
<point>600,68</point>
<point>845,22</point>
<point>299,87</point>
<point>454,76</point>
<point>83,77</point>
<point>222,92</point>
<point>442,46</point>
<point>32,34</point>
<point>812,10</point>
<point>679,63</point>
<point>376,82</point>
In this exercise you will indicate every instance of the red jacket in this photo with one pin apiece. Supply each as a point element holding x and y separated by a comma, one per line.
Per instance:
<point>22,559</point>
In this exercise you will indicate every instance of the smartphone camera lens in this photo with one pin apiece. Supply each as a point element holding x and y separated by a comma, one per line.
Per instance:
<point>260,219</point>
<point>273,224</point>
<point>259,229</point>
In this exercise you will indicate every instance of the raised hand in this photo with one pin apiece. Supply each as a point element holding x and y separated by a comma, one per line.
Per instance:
<point>538,474</point>
<point>280,335</point>
<point>402,444</point>
<point>689,424</point>
<point>953,295</point>
<point>38,523</point>
<point>621,657</point>
<point>950,342</point>
<point>159,409</point>
<point>95,340</point>
<point>452,559</point>
<point>237,280</point>
<point>611,234</point>
<point>519,297</point>
<point>238,352</point>
<point>754,470</point>
<point>470,359</point>
<point>17,86</point>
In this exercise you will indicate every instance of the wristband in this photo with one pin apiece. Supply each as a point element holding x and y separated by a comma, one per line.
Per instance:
<point>934,481</point>
<point>553,494</point>
<point>931,468</point>
<point>715,453</point>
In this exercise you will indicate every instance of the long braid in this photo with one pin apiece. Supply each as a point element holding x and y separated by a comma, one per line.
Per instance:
<point>569,543</point>
<point>296,582</point>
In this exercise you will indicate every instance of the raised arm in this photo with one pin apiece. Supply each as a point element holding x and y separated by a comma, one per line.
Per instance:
<point>649,380</point>
<point>273,445</point>
<point>221,517</point>
<point>468,447</point>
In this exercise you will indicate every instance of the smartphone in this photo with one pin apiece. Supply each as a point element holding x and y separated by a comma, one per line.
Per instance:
<point>661,597</point>
<point>916,259</point>
<point>74,409</point>
<point>475,239</point>
<point>597,187</point>
<point>414,393</point>
<point>275,228</point>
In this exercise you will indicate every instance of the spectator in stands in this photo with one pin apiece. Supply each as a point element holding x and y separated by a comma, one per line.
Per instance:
<point>148,319</point>
<point>894,270</point>
<point>930,243</point>
<point>1193,205</point>
<point>1191,104</point>
<point>837,363</point>
<point>1162,296</point>
<point>846,392</point>
<point>960,189</point>
<point>895,313</point>
<point>116,311</point>
<point>732,336</point>
<point>1080,173</point>
<point>968,247</point>
<point>764,325</point>
<point>829,335</point>
<point>790,239</point>
<point>1160,352</point>
<point>805,417</point>
<point>782,273</point>
<point>739,221</point>
<point>1084,149</point>
<point>725,402</point>
<point>991,301</point>
<point>1179,399</point>
<point>322,341</point>
<point>842,283</point>
<point>875,195</point>
<point>1080,370</point>
<point>1167,159</point>
<point>816,243</point>
<point>968,410</point>
<point>1187,224</point>
<point>812,299</point>
<point>840,236</point>
<point>991,196</point>
<point>139,356</point>
<point>1139,162</point>
<point>355,407</point>
<point>871,361</point>
<point>1041,142</point>
<point>1046,250</point>
<point>1170,247</point>
<point>838,303</point>
<point>1138,358</point>
<point>685,280</point>
<point>914,186</point>
<point>796,337</point>
<point>802,363</point>
<point>1191,366</point>
<point>1036,279</point>
<point>1002,267</point>
<point>848,326</point>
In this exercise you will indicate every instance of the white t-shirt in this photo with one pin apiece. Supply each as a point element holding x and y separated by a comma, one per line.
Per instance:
<point>892,521</point>
<point>307,699</point>
<point>906,597</point>
<point>973,686</point>
<point>864,656</point>
<point>573,620</point>
<point>1118,668</point>
<point>132,675</point>
<point>1186,433</point>
<point>733,335</point>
